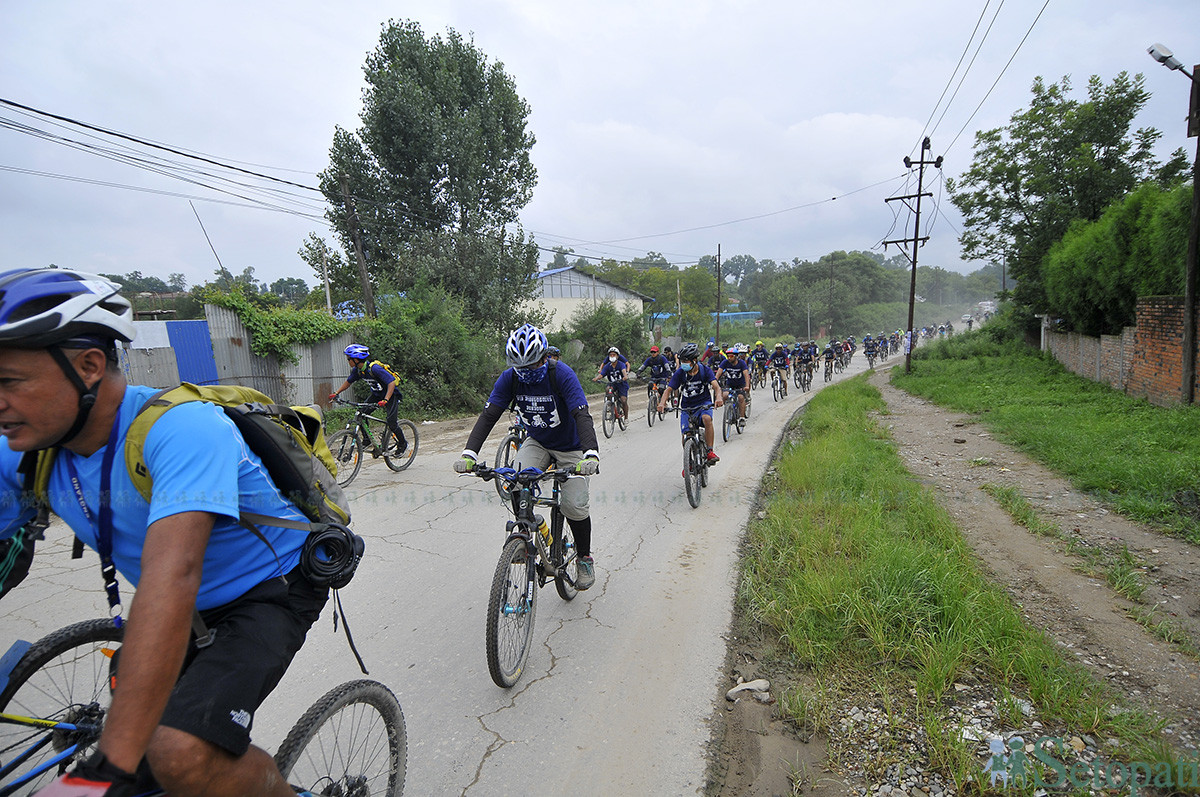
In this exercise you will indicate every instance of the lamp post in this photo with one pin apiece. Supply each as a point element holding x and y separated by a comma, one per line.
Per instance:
<point>1165,57</point>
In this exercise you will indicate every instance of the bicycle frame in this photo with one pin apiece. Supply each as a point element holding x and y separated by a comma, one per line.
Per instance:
<point>84,730</point>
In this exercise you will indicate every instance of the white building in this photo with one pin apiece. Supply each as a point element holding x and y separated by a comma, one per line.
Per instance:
<point>562,291</point>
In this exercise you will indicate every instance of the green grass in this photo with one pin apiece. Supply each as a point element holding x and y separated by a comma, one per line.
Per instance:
<point>1142,460</point>
<point>866,577</point>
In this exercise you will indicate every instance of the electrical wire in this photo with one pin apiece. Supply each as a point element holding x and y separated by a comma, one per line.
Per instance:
<point>946,88</point>
<point>968,69</point>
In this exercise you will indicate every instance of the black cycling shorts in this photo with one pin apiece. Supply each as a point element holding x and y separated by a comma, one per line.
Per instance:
<point>256,637</point>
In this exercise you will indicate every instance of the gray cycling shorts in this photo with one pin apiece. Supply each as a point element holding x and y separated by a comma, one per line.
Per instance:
<point>573,497</point>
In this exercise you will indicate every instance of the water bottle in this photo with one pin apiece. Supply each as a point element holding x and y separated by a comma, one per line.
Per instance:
<point>544,530</point>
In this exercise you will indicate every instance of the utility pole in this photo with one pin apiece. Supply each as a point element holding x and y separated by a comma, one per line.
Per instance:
<point>368,294</point>
<point>717,337</point>
<point>679,308</point>
<point>325,273</point>
<point>916,240</point>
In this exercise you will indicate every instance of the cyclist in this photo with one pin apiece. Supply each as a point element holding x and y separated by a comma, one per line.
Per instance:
<point>780,364</point>
<point>758,358</point>
<point>660,369</point>
<point>554,353</point>
<point>672,360</point>
<point>180,712</point>
<point>555,411</point>
<point>869,349</point>
<point>694,380</point>
<point>616,372</point>
<point>381,380</point>
<point>804,357</point>
<point>829,355</point>
<point>735,371</point>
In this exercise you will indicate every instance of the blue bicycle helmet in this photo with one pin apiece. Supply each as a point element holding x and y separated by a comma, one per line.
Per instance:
<point>43,307</point>
<point>358,351</point>
<point>526,346</point>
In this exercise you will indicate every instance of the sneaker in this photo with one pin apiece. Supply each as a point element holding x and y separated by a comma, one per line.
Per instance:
<point>713,459</point>
<point>375,452</point>
<point>741,423</point>
<point>402,449</point>
<point>585,573</point>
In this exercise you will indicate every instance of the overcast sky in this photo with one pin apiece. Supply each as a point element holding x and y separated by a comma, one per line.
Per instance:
<point>652,117</point>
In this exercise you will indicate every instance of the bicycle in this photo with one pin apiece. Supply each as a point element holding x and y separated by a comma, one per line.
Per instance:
<point>829,369</point>
<point>613,416</point>
<point>534,552</point>
<point>758,376</point>
<point>507,450</point>
<point>348,445</point>
<point>806,375</point>
<point>695,455</point>
<point>730,418</point>
<point>654,391</point>
<point>839,363</point>
<point>56,694</point>
<point>778,384</point>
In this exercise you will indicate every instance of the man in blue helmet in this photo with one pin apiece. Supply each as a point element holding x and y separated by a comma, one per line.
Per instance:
<point>555,411</point>
<point>181,712</point>
<point>383,383</point>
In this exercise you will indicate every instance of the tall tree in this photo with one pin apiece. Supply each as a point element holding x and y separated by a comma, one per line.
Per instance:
<point>1058,160</point>
<point>437,173</point>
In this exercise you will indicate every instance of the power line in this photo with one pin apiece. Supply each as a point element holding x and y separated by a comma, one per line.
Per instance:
<point>968,69</point>
<point>946,88</point>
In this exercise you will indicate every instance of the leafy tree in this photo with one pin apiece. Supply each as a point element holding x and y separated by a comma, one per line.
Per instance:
<point>177,283</point>
<point>1058,160</point>
<point>292,290</point>
<point>437,174</point>
<point>134,282</point>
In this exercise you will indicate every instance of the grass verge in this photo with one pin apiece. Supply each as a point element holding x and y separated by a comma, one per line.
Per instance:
<point>869,583</point>
<point>1141,459</point>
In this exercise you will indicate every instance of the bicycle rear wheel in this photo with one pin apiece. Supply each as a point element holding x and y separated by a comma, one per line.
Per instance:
<point>64,677</point>
<point>505,453</point>
<point>609,421</point>
<point>511,609</point>
<point>691,472</point>
<point>350,742</point>
<point>347,453</point>
<point>399,460</point>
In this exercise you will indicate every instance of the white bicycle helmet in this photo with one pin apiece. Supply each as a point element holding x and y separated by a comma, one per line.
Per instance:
<point>526,346</point>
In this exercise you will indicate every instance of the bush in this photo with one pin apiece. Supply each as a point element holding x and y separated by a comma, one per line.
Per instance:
<point>602,327</point>
<point>1002,334</point>
<point>445,365</point>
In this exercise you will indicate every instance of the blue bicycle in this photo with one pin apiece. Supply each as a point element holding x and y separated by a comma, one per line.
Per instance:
<point>55,694</point>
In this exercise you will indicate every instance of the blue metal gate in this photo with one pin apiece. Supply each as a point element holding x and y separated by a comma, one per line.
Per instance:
<point>193,351</point>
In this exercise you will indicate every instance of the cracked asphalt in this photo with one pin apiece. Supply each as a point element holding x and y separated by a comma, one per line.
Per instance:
<point>621,682</point>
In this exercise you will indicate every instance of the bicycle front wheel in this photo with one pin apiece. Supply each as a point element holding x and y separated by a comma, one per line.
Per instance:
<point>505,454</point>
<point>63,677</point>
<point>691,471</point>
<point>351,741</point>
<point>651,408</point>
<point>728,420</point>
<point>396,459</point>
<point>609,421</point>
<point>511,609</point>
<point>347,453</point>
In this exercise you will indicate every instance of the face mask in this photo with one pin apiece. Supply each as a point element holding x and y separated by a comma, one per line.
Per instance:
<point>612,358</point>
<point>529,376</point>
<point>686,366</point>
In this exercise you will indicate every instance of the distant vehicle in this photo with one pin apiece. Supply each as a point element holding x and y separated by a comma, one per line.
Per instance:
<point>966,317</point>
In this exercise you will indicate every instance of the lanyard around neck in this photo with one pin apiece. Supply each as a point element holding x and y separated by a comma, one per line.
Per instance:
<point>102,520</point>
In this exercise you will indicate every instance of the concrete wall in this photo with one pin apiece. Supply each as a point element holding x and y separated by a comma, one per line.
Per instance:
<point>1143,361</point>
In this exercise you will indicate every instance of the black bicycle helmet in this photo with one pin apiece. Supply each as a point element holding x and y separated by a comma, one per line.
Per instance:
<point>689,351</point>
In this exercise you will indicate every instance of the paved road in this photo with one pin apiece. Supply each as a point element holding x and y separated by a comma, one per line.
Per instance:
<point>621,682</point>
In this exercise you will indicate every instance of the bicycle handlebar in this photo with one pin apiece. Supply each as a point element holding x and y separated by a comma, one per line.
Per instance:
<point>523,477</point>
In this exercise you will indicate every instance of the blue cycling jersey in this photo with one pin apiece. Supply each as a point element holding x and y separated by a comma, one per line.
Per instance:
<point>547,414</point>
<point>693,386</point>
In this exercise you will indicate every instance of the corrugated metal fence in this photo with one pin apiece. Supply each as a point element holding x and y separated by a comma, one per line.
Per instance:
<point>217,351</point>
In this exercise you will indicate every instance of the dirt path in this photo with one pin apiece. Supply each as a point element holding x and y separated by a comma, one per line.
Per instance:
<point>952,453</point>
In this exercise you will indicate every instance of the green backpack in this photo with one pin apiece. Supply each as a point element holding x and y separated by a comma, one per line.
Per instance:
<point>289,440</point>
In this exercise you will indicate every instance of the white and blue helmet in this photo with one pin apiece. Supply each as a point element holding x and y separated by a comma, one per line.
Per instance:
<point>526,346</point>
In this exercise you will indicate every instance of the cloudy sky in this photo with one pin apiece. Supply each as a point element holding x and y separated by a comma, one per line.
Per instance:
<point>662,125</point>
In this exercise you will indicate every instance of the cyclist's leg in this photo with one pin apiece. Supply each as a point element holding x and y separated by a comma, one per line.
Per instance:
<point>623,391</point>
<point>708,429</point>
<point>203,740</point>
<point>573,502</point>
<point>531,454</point>
<point>393,420</point>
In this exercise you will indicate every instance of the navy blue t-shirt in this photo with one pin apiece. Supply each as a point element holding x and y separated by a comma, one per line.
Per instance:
<point>734,370</point>
<point>693,386</point>
<point>544,412</point>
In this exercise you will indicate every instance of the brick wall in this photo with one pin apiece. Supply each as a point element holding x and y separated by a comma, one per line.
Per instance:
<point>1144,360</point>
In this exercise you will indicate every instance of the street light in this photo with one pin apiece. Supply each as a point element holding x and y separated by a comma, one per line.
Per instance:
<point>1167,58</point>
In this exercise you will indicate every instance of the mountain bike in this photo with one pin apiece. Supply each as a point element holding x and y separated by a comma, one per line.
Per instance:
<point>695,455</point>
<point>797,374</point>
<point>806,375</point>
<point>829,369</point>
<point>758,376</point>
<point>56,694</point>
<point>839,363</point>
<point>778,384</point>
<point>534,553</point>
<point>654,392</point>
<point>870,359</point>
<point>507,450</point>
<point>729,419</point>
<point>613,415</point>
<point>349,444</point>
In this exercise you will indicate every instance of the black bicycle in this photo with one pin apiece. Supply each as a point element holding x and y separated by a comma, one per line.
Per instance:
<point>828,369</point>
<point>654,391</point>
<point>534,553</point>
<point>57,693</point>
<point>349,444</point>
<point>695,455</point>
<point>613,414</point>
<point>730,420</point>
